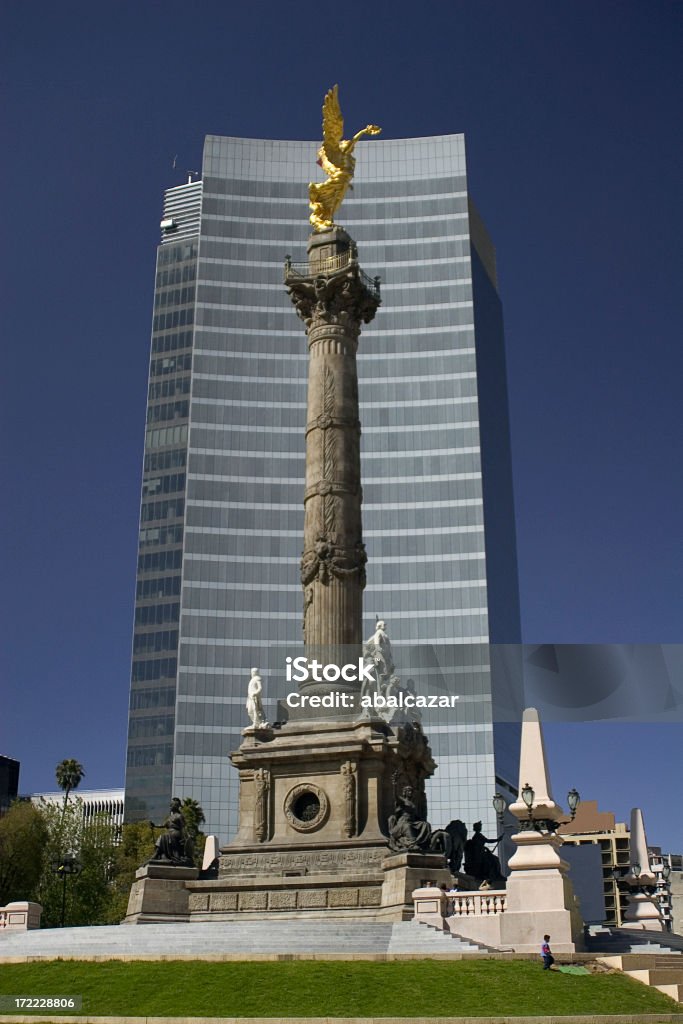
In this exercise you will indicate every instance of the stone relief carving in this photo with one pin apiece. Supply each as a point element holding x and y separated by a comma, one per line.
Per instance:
<point>261,816</point>
<point>308,601</point>
<point>306,807</point>
<point>348,770</point>
<point>336,299</point>
<point>327,560</point>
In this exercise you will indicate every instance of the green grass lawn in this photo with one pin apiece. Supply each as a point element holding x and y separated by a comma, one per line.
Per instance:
<point>330,988</point>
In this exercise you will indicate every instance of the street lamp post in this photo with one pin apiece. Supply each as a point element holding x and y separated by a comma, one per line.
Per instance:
<point>617,877</point>
<point>573,799</point>
<point>499,805</point>
<point>64,866</point>
<point>528,795</point>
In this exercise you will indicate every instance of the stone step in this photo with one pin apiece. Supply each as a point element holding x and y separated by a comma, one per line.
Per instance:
<point>650,961</point>
<point>673,991</point>
<point>612,941</point>
<point>667,981</point>
<point>664,976</point>
<point>285,936</point>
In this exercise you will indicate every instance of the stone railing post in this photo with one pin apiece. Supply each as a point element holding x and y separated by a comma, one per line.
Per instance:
<point>20,916</point>
<point>431,906</point>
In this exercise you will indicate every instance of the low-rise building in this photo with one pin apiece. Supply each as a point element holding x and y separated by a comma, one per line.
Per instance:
<point>9,782</point>
<point>93,801</point>
<point>599,828</point>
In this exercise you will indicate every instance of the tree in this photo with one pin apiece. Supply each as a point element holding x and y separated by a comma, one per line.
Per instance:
<point>23,835</point>
<point>35,839</point>
<point>87,894</point>
<point>193,813</point>
<point>69,774</point>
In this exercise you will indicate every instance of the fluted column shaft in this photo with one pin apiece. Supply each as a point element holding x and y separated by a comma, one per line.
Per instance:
<point>333,300</point>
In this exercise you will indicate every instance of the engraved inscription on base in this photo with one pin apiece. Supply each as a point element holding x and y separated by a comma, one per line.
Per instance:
<point>313,860</point>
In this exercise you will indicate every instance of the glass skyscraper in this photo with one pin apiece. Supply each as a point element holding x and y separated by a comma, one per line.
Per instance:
<point>221,522</point>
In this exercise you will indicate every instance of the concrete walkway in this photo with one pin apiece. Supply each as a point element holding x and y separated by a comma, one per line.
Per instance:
<point>611,1018</point>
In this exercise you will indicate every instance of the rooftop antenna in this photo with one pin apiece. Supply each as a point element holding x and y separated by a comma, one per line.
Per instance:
<point>189,176</point>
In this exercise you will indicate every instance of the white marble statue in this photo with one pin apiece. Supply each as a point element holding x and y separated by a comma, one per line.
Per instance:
<point>254,702</point>
<point>378,647</point>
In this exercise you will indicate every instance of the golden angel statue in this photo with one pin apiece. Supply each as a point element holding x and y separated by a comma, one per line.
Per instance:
<point>334,156</point>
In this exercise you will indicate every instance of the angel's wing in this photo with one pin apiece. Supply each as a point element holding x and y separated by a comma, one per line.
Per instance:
<point>333,126</point>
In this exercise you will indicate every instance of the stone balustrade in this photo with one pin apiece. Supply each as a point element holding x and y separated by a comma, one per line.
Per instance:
<point>476,915</point>
<point>434,906</point>
<point>20,917</point>
<point>479,903</point>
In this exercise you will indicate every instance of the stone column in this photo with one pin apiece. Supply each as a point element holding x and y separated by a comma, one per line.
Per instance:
<point>540,896</point>
<point>333,297</point>
<point>643,909</point>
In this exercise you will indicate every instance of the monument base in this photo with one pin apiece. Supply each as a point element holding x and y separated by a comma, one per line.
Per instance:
<point>159,893</point>
<point>405,872</point>
<point>315,800</point>
<point>540,898</point>
<point>643,912</point>
<point>359,884</point>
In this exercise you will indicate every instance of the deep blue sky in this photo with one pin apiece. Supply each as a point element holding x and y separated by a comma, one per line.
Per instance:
<point>572,117</point>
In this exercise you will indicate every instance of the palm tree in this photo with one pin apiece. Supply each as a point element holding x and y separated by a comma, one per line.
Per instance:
<point>193,814</point>
<point>69,774</point>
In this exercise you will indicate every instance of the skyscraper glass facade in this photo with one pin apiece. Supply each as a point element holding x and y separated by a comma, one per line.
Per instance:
<point>222,509</point>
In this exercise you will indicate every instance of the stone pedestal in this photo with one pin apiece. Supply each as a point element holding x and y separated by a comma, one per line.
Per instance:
<point>159,893</point>
<point>326,784</point>
<point>406,872</point>
<point>643,912</point>
<point>20,916</point>
<point>540,899</point>
<point>431,906</point>
<point>540,896</point>
<point>315,798</point>
<point>314,805</point>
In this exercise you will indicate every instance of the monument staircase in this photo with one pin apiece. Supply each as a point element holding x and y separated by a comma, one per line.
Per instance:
<point>603,940</point>
<point>294,937</point>
<point>653,958</point>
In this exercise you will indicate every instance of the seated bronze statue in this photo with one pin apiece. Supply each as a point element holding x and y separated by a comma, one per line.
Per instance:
<point>174,846</point>
<point>409,832</point>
